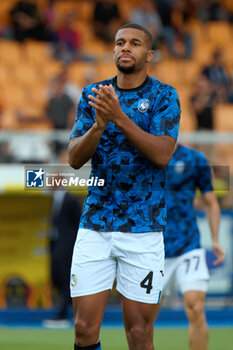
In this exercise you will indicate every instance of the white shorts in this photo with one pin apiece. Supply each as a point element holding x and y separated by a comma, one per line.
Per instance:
<point>137,259</point>
<point>189,270</point>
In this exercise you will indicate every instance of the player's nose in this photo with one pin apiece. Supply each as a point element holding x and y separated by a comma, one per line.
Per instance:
<point>126,47</point>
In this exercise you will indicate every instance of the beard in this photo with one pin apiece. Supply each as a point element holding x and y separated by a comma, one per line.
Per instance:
<point>126,69</point>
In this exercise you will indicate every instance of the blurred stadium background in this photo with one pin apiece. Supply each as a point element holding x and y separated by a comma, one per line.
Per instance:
<point>33,69</point>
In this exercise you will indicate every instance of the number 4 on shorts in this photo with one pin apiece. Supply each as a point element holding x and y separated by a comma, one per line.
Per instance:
<point>147,282</point>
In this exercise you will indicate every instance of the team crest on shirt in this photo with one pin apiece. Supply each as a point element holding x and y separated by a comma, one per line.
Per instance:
<point>179,167</point>
<point>143,105</point>
<point>74,280</point>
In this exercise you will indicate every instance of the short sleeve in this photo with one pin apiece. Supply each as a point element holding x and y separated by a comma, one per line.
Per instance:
<point>203,177</point>
<point>84,119</point>
<point>166,117</point>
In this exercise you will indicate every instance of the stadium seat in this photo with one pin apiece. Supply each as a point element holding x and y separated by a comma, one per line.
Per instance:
<point>8,119</point>
<point>224,151</point>
<point>38,52</point>
<point>90,45</point>
<point>125,9</point>
<point>85,29</point>
<point>167,71</point>
<point>66,6</point>
<point>5,74</point>
<point>132,3</point>
<point>35,124</point>
<point>187,121</point>
<point>31,112</point>
<point>79,71</point>
<point>203,51</point>
<point>11,52</point>
<point>223,117</point>
<point>15,95</point>
<point>27,74</point>
<point>49,69</point>
<point>31,118</point>
<point>228,54</point>
<point>198,30</point>
<point>96,49</point>
<point>5,7</point>
<point>38,94</point>
<point>188,71</point>
<point>85,10</point>
<point>220,33</point>
<point>106,70</point>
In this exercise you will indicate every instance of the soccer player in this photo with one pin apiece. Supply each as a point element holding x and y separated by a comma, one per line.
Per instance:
<point>185,260</point>
<point>128,126</point>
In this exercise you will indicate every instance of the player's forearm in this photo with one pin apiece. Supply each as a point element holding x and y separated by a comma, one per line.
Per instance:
<point>158,149</point>
<point>81,149</point>
<point>213,214</point>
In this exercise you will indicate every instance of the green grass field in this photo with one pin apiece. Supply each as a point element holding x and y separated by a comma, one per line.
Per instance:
<point>112,339</point>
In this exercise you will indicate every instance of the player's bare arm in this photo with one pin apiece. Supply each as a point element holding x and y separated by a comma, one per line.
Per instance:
<point>81,149</point>
<point>158,149</point>
<point>213,213</point>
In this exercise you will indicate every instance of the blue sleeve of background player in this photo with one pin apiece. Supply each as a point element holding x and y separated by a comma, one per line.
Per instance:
<point>84,118</point>
<point>204,176</point>
<point>166,118</point>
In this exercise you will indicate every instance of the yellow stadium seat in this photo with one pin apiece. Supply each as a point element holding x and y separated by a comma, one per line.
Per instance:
<point>29,116</point>
<point>187,121</point>
<point>79,70</point>
<point>4,13</point>
<point>95,48</point>
<point>34,124</point>
<point>85,10</point>
<point>223,117</point>
<point>35,51</point>
<point>167,71</point>
<point>106,70</point>
<point>5,7</point>
<point>50,69</point>
<point>30,111</point>
<point>66,6</point>
<point>5,74</point>
<point>228,4</point>
<point>125,9</point>
<point>228,56</point>
<point>15,95</point>
<point>26,74</point>
<point>220,33</point>
<point>11,52</point>
<point>203,51</point>
<point>9,120</point>
<point>132,3</point>
<point>37,95</point>
<point>198,30</point>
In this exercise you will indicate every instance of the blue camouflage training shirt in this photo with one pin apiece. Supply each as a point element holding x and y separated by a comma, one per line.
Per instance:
<point>187,171</point>
<point>132,199</point>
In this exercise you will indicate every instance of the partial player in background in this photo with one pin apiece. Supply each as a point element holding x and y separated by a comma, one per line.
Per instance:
<point>185,260</point>
<point>65,217</point>
<point>128,126</point>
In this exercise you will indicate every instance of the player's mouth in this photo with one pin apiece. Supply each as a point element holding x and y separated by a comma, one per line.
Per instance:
<point>125,58</point>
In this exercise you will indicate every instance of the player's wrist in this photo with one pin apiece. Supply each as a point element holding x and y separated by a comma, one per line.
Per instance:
<point>98,128</point>
<point>120,121</point>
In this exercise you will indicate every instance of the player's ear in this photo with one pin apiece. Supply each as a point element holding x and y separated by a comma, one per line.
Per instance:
<point>150,55</point>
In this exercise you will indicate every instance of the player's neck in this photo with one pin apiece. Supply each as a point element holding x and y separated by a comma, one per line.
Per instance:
<point>175,148</point>
<point>130,81</point>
